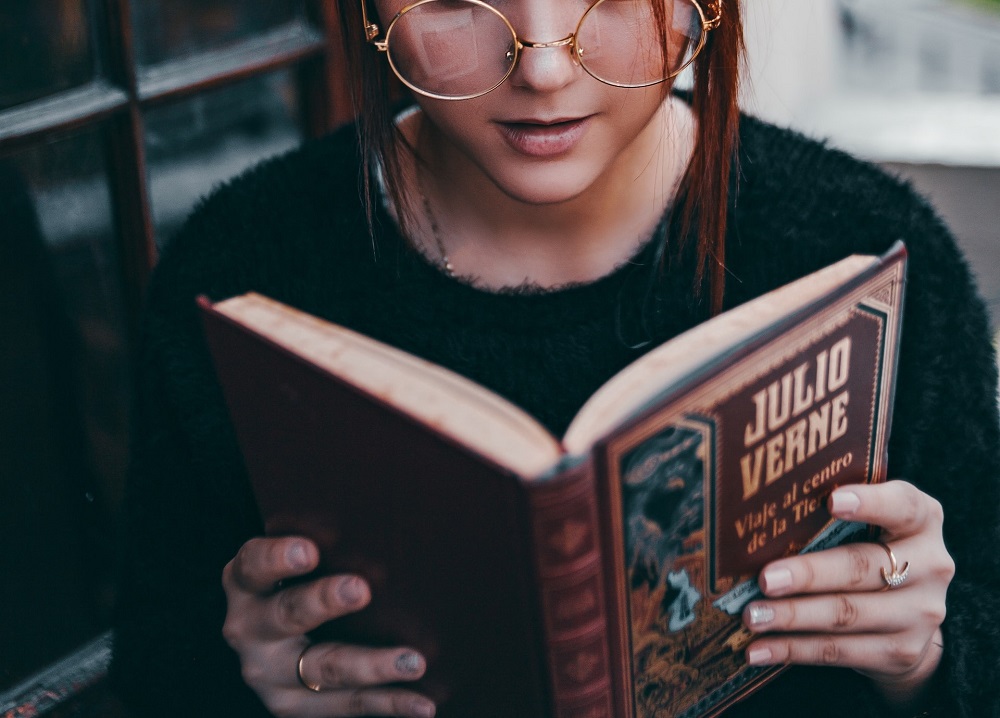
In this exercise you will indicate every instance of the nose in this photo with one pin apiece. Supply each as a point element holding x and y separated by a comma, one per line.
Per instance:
<point>545,66</point>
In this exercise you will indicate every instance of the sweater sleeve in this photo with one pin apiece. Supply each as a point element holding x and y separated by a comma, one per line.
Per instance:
<point>810,206</point>
<point>188,507</point>
<point>169,656</point>
<point>946,440</point>
<point>278,229</point>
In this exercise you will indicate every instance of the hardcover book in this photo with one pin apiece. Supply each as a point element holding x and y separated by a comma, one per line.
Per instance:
<point>600,575</point>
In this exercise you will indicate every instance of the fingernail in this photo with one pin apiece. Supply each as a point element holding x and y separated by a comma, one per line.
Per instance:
<point>760,614</point>
<point>844,503</point>
<point>776,579</point>
<point>297,556</point>
<point>351,590</point>
<point>422,709</point>
<point>759,656</point>
<point>409,663</point>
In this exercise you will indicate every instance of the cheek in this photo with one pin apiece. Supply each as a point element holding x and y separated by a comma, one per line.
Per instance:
<point>460,121</point>
<point>632,110</point>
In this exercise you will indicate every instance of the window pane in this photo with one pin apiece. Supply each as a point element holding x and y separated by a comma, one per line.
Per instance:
<point>172,29</point>
<point>63,381</point>
<point>905,47</point>
<point>195,144</point>
<point>45,47</point>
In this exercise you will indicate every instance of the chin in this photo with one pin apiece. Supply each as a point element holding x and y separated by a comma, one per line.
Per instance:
<point>542,196</point>
<point>553,184</point>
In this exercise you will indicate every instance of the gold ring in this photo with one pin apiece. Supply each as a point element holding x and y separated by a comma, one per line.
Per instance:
<point>893,578</point>
<point>314,687</point>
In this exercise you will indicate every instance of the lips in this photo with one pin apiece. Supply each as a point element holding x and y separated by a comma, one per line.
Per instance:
<point>544,137</point>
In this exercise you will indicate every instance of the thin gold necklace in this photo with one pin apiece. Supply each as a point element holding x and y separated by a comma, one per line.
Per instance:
<point>443,261</point>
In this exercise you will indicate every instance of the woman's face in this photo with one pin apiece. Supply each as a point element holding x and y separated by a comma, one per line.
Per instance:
<point>550,132</point>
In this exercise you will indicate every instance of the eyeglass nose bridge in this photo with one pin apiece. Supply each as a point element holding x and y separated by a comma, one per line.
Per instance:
<point>568,40</point>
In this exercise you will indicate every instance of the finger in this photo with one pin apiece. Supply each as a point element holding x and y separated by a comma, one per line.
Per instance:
<point>841,613</point>
<point>299,609</point>
<point>333,666</point>
<point>383,702</point>
<point>900,508</point>
<point>851,568</point>
<point>885,654</point>
<point>299,702</point>
<point>262,562</point>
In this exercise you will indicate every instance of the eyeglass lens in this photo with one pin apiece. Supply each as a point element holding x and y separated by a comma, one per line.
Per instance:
<point>457,48</point>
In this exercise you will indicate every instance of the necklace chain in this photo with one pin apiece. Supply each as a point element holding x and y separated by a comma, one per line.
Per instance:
<point>443,261</point>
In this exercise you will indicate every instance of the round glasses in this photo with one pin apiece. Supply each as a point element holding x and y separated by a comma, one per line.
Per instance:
<point>461,49</point>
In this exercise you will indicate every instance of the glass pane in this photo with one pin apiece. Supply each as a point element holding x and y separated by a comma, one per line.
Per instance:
<point>45,47</point>
<point>172,29</point>
<point>195,144</point>
<point>63,379</point>
<point>900,47</point>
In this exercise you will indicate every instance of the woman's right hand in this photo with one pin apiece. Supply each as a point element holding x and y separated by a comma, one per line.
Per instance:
<point>267,625</point>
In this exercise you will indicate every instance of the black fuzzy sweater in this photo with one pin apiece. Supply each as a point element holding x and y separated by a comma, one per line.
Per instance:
<point>294,228</point>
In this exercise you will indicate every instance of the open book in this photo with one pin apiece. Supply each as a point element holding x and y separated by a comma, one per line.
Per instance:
<point>600,574</point>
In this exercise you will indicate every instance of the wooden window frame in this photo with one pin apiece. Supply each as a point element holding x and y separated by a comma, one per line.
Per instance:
<point>115,103</point>
<point>119,96</point>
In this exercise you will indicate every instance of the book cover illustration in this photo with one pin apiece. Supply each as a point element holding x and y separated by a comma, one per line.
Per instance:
<point>746,463</point>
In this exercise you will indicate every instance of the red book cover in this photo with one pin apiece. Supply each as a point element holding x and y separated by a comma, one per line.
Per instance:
<point>601,576</point>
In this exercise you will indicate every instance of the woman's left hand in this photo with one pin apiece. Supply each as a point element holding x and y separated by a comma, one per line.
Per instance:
<point>835,608</point>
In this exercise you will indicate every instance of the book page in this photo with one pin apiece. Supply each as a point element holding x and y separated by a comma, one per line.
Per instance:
<point>441,399</point>
<point>643,380</point>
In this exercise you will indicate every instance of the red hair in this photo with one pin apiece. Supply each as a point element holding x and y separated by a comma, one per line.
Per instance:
<point>704,189</point>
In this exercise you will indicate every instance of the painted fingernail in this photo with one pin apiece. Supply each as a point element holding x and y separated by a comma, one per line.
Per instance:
<point>759,656</point>
<point>844,503</point>
<point>423,709</point>
<point>297,556</point>
<point>351,590</point>
<point>760,614</point>
<point>776,579</point>
<point>409,663</point>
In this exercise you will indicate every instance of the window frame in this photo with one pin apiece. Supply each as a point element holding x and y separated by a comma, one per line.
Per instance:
<point>118,97</point>
<point>114,104</point>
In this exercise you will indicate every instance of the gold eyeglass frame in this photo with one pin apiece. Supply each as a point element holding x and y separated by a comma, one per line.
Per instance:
<point>372,31</point>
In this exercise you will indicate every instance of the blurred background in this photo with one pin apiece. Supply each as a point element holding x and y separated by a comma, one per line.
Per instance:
<point>117,115</point>
<point>911,84</point>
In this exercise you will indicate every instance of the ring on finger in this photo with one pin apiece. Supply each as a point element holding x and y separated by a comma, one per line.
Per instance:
<point>314,687</point>
<point>893,578</point>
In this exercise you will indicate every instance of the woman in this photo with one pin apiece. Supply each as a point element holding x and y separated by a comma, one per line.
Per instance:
<point>527,225</point>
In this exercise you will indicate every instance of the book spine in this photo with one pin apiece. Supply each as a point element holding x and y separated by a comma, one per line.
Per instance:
<point>566,529</point>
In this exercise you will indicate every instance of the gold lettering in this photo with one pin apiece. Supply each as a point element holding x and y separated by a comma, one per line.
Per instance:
<point>775,466</point>
<point>840,364</point>
<point>776,417</point>
<point>803,397</point>
<point>753,434</point>
<point>751,466</point>
<point>819,428</point>
<point>838,427</point>
<point>821,361</point>
<point>795,444</point>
